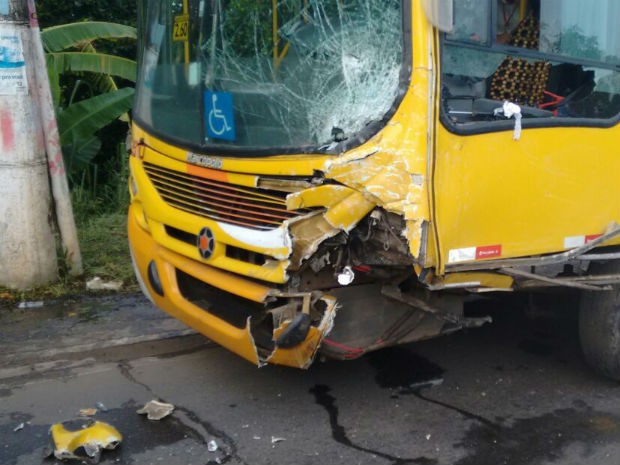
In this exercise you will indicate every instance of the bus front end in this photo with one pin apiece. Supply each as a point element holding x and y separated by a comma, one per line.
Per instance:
<point>339,175</point>
<point>279,174</point>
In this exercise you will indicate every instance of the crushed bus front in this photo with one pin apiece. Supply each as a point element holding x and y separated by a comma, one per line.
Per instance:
<point>337,175</point>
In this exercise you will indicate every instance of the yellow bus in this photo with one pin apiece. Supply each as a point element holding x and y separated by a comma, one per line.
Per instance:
<point>336,176</point>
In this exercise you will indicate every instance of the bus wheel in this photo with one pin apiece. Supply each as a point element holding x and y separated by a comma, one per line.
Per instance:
<point>599,325</point>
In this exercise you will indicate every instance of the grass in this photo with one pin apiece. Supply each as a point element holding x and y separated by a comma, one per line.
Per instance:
<point>101,222</point>
<point>105,253</point>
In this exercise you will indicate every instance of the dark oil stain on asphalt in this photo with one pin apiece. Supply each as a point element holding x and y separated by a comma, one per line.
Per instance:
<point>539,439</point>
<point>397,368</point>
<point>173,432</point>
<point>328,402</point>
<point>521,442</point>
<point>23,441</point>
<point>174,429</point>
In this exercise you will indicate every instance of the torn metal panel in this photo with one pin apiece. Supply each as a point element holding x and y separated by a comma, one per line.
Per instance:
<point>472,280</point>
<point>82,439</point>
<point>381,175</point>
<point>309,233</point>
<point>346,214</point>
<point>303,355</point>
<point>266,333</point>
<point>321,196</point>
<point>374,316</point>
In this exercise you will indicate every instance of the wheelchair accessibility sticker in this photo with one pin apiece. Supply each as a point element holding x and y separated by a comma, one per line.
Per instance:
<point>219,115</point>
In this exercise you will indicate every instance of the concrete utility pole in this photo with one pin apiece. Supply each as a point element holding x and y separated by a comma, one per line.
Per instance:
<point>58,177</point>
<point>27,245</point>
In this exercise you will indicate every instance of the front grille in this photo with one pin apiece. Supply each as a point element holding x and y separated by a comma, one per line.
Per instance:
<point>224,305</point>
<point>220,201</point>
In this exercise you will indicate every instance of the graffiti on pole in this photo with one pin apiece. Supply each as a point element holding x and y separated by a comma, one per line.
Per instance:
<point>12,65</point>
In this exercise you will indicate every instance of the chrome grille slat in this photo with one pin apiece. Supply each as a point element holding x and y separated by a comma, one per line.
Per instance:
<point>220,201</point>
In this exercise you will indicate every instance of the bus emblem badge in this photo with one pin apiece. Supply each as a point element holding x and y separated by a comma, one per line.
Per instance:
<point>205,243</point>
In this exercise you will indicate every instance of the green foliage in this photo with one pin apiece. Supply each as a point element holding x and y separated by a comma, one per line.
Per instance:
<point>79,123</point>
<point>248,27</point>
<point>86,94</point>
<point>248,24</point>
<point>53,12</point>
<point>104,245</point>
<point>81,34</point>
<point>577,44</point>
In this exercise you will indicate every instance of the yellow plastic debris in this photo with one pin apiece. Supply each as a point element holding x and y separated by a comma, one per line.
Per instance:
<point>82,439</point>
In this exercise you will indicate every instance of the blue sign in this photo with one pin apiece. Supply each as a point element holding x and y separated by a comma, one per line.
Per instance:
<point>220,115</point>
<point>4,7</point>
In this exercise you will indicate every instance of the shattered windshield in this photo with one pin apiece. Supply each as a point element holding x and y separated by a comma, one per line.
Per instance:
<point>303,74</point>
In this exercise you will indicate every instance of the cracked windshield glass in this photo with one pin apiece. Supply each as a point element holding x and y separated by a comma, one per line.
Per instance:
<point>290,73</point>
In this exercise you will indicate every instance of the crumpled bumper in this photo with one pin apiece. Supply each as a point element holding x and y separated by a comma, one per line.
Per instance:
<point>228,290</point>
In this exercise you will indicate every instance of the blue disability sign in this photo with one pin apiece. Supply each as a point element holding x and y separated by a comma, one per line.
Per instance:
<point>219,115</point>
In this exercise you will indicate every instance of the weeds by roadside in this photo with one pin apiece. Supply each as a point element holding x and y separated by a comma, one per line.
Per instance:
<point>100,206</point>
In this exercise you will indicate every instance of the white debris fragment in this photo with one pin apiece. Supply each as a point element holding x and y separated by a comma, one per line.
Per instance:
<point>19,427</point>
<point>156,410</point>
<point>275,439</point>
<point>509,110</point>
<point>212,446</point>
<point>429,383</point>
<point>98,284</point>
<point>428,437</point>
<point>346,276</point>
<point>256,438</point>
<point>35,304</point>
<point>101,406</point>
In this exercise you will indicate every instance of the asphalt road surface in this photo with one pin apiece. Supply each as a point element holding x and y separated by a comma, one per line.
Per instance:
<point>515,392</point>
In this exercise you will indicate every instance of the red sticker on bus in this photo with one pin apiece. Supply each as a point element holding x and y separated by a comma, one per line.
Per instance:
<point>592,237</point>
<point>488,251</point>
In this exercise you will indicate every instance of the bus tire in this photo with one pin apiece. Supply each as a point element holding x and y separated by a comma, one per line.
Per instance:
<point>599,325</point>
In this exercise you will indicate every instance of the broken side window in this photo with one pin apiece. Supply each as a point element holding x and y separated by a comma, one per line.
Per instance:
<point>556,59</point>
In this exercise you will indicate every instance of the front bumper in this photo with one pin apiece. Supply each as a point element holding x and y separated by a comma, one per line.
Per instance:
<point>224,290</point>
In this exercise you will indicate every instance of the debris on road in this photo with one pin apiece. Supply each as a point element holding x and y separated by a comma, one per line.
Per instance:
<point>34,304</point>
<point>428,383</point>
<point>212,446</point>
<point>82,439</point>
<point>275,440</point>
<point>101,406</point>
<point>19,427</point>
<point>156,410</point>
<point>98,284</point>
<point>87,412</point>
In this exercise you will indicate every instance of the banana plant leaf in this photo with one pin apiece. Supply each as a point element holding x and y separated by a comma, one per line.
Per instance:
<point>60,62</point>
<point>84,118</point>
<point>79,153</point>
<point>58,38</point>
